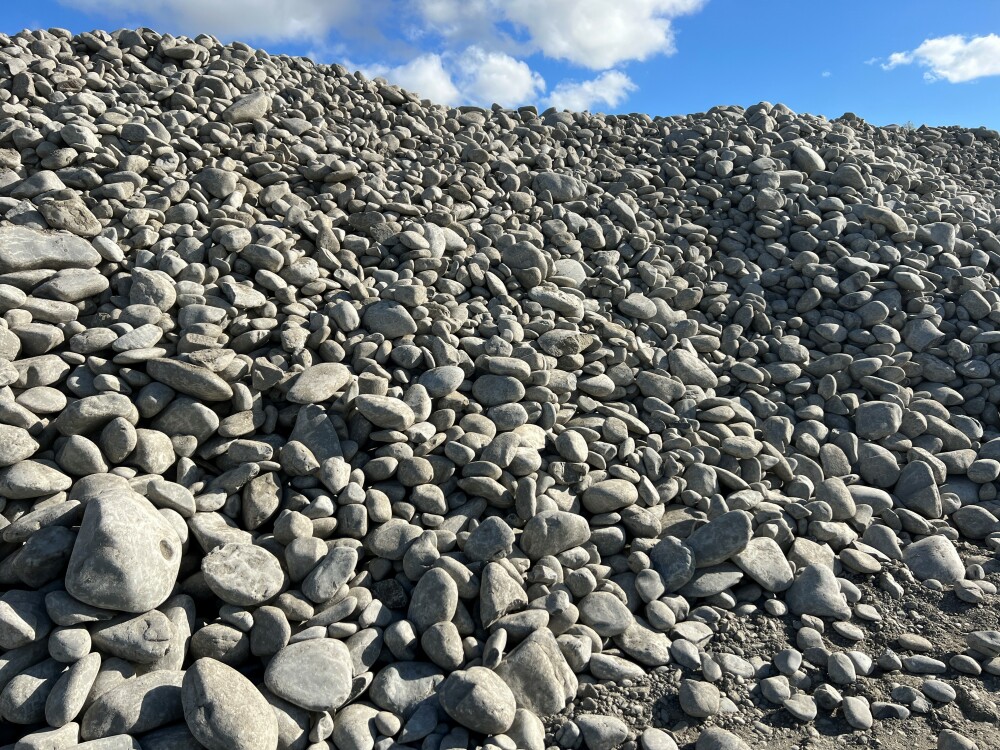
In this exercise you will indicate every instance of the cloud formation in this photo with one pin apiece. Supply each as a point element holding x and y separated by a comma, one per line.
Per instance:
<point>954,58</point>
<point>424,75</point>
<point>450,51</point>
<point>263,20</point>
<point>608,89</point>
<point>473,76</point>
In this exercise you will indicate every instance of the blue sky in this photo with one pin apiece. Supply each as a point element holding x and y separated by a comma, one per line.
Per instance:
<point>888,61</point>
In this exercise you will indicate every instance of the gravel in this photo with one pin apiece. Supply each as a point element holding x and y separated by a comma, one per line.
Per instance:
<point>334,418</point>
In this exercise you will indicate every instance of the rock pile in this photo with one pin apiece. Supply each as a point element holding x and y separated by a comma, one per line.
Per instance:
<point>332,418</point>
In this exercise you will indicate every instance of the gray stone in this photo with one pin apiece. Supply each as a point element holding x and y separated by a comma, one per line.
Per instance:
<point>934,557</point>
<point>191,379</point>
<point>248,108</point>
<point>224,711</point>
<point>538,675</point>
<point>141,639</point>
<point>699,699</point>
<point>875,420</point>
<point>716,738</point>
<point>135,706</point>
<point>389,318</point>
<point>402,686</point>
<point>720,538</point>
<point>319,383</point>
<point>562,187</point>
<point>602,732</point>
<point>610,495</point>
<point>24,249</point>
<point>674,561</point>
<point>605,613</point>
<point>763,560</point>
<point>315,674</point>
<point>71,691</point>
<point>243,575</point>
<point>478,699</point>
<point>816,591</point>
<point>551,532</point>
<point>385,412</point>
<point>126,555</point>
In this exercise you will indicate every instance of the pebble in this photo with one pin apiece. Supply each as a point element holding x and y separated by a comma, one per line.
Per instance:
<point>699,699</point>
<point>479,700</point>
<point>314,674</point>
<point>602,732</point>
<point>223,709</point>
<point>243,575</point>
<point>126,556</point>
<point>816,591</point>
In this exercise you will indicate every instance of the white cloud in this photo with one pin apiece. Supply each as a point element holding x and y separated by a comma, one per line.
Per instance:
<point>424,75</point>
<point>460,20</point>
<point>474,76</point>
<point>598,34</point>
<point>449,51</point>
<point>954,58</point>
<point>826,74</point>
<point>265,20</point>
<point>610,88</point>
<point>495,77</point>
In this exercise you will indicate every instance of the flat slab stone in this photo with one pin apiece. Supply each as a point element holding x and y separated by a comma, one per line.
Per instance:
<point>24,249</point>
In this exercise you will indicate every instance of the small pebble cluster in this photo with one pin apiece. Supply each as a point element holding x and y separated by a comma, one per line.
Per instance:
<point>333,419</point>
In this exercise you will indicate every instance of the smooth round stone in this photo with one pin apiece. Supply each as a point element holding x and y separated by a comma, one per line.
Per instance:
<point>817,592</point>
<point>763,560</point>
<point>949,739</point>
<point>674,561</point>
<point>389,318</point>
<point>243,575</point>
<point>721,538</point>
<point>69,644</point>
<point>716,738</point>
<point>191,379</point>
<point>934,558</point>
<point>319,383</point>
<point>71,691</point>
<point>699,699</point>
<point>638,306</point>
<point>15,445</point>
<point>939,691</point>
<point>605,613</point>
<point>24,697</point>
<point>914,642</point>
<point>402,686</point>
<point>385,412</point>
<point>572,446</point>
<point>126,555</point>
<point>135,706</point>
<point>551,532</point>
<point>610,495</point>
<point>142,639</point>
<point>224,711</point>
<point>857,712</point>
<point>493,390</point>
<point>802,707</point>
<point>315,674</point>
<point>602,732</point>
<point>478,699</point>
<point>849,630</point>
<point>442,381</point>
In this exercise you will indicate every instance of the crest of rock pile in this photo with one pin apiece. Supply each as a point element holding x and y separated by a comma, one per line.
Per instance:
<point>332,418</point>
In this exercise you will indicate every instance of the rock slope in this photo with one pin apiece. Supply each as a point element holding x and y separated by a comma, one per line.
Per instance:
<point>332,418</point>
